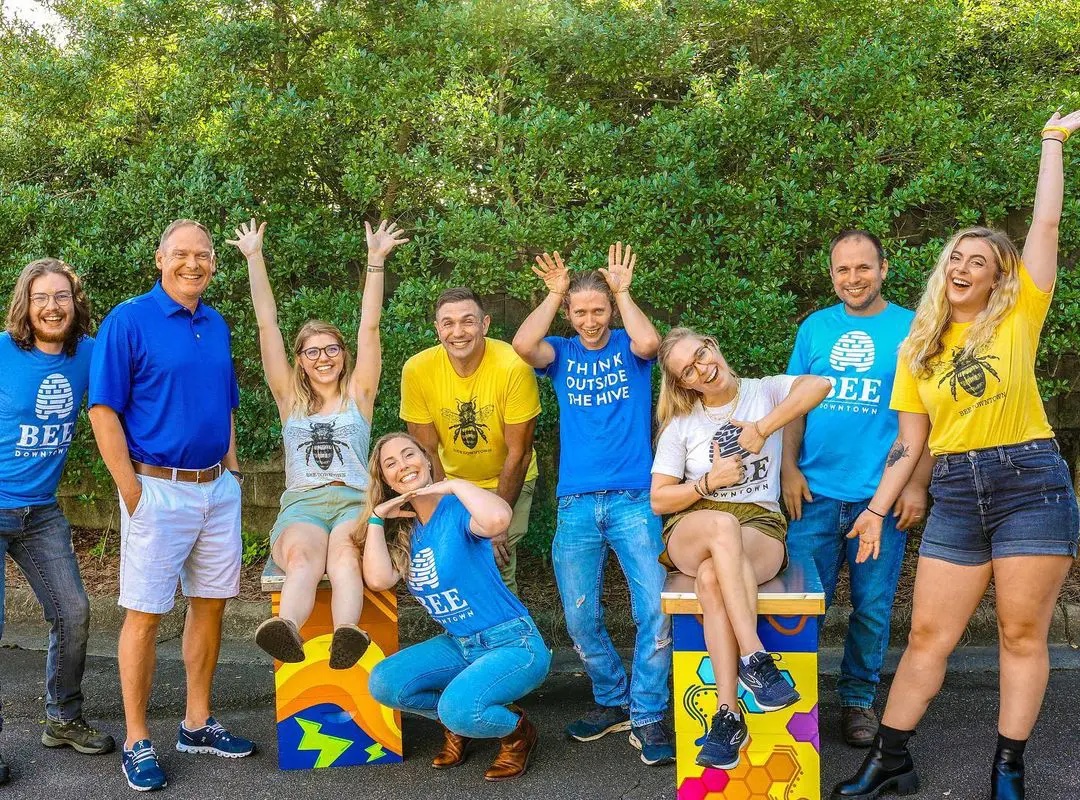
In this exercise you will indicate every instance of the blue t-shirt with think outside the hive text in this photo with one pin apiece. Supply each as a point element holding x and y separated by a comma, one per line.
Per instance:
<point>452,573</point>
<point>849,434</point>
<point>605,414</point>
<point>40,398</point>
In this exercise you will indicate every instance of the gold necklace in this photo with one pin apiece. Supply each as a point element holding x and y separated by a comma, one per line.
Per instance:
<point>724,413</point>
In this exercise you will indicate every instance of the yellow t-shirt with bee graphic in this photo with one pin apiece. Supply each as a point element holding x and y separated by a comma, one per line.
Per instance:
<point>469,413</point>
<point>992,398</point>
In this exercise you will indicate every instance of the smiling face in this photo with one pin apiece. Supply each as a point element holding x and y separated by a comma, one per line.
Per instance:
<point>461,327</point>
<point>404,465</point>
<point>590,314</point>
<point>325,369</point>
<point>186,260</point>
<point>51,322</point>
<point>857,275</point>
<point>970,277</point>
<point>699,366</point>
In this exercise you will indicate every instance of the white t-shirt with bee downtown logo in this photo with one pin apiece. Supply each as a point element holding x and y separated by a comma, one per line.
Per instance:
<point>684,449</point>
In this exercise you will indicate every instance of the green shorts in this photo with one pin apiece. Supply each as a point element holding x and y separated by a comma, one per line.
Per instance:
<point>325,507</point>
<point>771,523</point>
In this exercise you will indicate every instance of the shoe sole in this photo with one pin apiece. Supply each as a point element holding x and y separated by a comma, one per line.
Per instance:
<point>704,762</point>
<point>190,748</point>
<point>141,788</point>
<point>51,741</point>
<point>636,743</point>
<point>901,785</point>
<point>616,728</point>
<point>280,641</point>
<point>764,707</point>
<point>347,646</point>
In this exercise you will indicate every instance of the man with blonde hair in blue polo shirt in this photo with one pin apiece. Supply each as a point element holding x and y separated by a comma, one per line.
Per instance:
<point>162,396</point>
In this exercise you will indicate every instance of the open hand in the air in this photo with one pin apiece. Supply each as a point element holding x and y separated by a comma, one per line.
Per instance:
<point>1070,122</point>
<point>249,238</point>
<point>551,270</point>
<point>382,240</point>
<point>620,268</point>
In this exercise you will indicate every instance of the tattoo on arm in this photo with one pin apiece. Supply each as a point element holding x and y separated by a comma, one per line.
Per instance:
<point>899,450</point>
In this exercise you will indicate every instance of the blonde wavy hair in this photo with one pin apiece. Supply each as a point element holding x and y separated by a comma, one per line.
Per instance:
<point>923,347</point>
<point>397,529</point>
<point>304,397</point>
<point>675,399</point>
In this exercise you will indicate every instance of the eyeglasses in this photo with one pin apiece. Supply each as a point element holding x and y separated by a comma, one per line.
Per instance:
<point>690,370</point>
<point>331,350</point>
<point>41,299</point>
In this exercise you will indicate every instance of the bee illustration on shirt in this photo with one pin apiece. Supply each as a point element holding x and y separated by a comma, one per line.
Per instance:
<point>469,422</point>
<point>323,444</point>
<point>969,371</point>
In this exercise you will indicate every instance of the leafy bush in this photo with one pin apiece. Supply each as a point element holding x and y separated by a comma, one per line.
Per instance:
<point>726,139</point>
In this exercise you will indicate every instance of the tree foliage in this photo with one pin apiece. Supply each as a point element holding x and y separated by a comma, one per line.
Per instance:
<point>727,140</point>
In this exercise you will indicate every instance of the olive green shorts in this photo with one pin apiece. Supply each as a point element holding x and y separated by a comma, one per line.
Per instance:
<point>771,523</point>
<point>326,507</point>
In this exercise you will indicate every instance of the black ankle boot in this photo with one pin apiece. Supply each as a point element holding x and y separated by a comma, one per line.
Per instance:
<point>1007,775</point>
<point>881,771</point>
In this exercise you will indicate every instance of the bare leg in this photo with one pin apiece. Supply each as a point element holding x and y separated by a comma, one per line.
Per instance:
<point>202,642</point>
<point>946,596</point>
<point>136,658</point>
<point>719,636</point>
<point>301,552</point>
<point>1026,589</point>
<point>346,578</point>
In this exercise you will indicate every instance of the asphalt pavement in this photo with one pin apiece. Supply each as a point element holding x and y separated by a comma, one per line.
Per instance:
<point>952,749</point>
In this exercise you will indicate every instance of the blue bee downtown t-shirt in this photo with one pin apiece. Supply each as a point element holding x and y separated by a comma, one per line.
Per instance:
<point>605,414</point>
<point>849,434</point>
<point>452,573</point>
<point>40,398</point>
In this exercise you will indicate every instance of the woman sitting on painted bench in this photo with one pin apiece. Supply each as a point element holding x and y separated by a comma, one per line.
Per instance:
<point>325,407</point>
<point>438,536</point>
<point>717,473</point>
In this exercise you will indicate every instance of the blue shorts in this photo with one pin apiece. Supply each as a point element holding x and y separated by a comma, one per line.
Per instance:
<point>1013,500</point>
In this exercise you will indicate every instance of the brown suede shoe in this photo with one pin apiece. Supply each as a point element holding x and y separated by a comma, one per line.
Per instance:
<point>514,750</point>
<point>453,750</point>
<point>858,725</point>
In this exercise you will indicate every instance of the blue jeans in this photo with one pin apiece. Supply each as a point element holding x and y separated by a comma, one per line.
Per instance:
<point>38,539</point>
<point>588,526</point>
<point>820,537</point>
<point>465,682</point>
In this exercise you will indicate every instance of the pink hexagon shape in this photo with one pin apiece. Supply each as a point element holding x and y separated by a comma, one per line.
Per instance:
<point>692,789</point>
<point>715,780</point>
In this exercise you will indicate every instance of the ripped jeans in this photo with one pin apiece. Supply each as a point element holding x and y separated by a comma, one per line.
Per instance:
<point>589,526</point>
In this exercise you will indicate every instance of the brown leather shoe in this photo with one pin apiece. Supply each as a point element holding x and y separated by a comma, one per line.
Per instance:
<point>453,750</point>
<point>514,750</point>
<point>858,725</point>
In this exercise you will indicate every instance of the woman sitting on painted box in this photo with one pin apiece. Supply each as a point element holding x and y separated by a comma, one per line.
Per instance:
<point>438,537</point>
<point>717,474</point>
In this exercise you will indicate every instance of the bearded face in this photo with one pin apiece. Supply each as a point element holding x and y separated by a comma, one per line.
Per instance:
<point>52,308</point>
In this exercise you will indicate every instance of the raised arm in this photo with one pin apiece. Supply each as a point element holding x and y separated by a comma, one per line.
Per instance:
<point>380,573</point>
<point>489,514</point>
<point>529,340</point>
<point>1041,245</point>
<point>365,378</point>
<point>806,392</point>
<point>644,340</point>
<point>275,361</point>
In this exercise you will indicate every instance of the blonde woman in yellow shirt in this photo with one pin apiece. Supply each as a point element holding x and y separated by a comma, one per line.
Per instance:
<point>1004,506</point>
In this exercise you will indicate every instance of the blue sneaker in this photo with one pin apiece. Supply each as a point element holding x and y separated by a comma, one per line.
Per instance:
<point>601,720</point>
<point>763,680</point>
<point>654,742</point>
<point>141,767</point>
<point>213,738</point>
<point>723,742</point>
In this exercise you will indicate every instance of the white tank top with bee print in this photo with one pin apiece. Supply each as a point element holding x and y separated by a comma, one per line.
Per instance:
<point>323,448</point>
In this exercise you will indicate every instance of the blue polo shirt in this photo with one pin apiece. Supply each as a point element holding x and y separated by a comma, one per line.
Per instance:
<point>168,374</point>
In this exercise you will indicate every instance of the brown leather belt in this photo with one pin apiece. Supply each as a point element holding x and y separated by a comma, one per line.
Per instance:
<point>185,475</point>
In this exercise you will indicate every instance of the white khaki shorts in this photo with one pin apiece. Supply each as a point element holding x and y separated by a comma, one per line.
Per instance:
<point>189,531</point>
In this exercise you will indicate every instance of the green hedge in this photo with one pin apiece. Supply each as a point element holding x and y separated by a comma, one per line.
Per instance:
<point>727,140</point>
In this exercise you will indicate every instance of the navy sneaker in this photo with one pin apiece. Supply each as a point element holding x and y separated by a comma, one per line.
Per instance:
<point>141,767</point>
<point>654,742</point>
<point>213,738</point>
<point>763,680</point>
<point>723,741</point>
<point>601,720</point>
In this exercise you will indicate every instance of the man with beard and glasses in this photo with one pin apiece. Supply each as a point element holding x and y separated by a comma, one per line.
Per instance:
<point>45,359</point>
<point>834,455</point>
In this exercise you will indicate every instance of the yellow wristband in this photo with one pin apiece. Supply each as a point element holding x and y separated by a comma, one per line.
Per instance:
<point>1057,129</point>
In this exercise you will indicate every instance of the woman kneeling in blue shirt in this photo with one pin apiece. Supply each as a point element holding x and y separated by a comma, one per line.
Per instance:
<point>438,536</point>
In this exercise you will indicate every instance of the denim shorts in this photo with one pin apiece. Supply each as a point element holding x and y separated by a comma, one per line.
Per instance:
<point>325,507</point>
<point>1012,500</point>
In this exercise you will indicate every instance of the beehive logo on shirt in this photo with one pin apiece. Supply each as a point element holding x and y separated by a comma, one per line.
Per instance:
<point>727,436</point>
<point>422,570</point>
<point>54,397</point>
<point>855,350</point>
